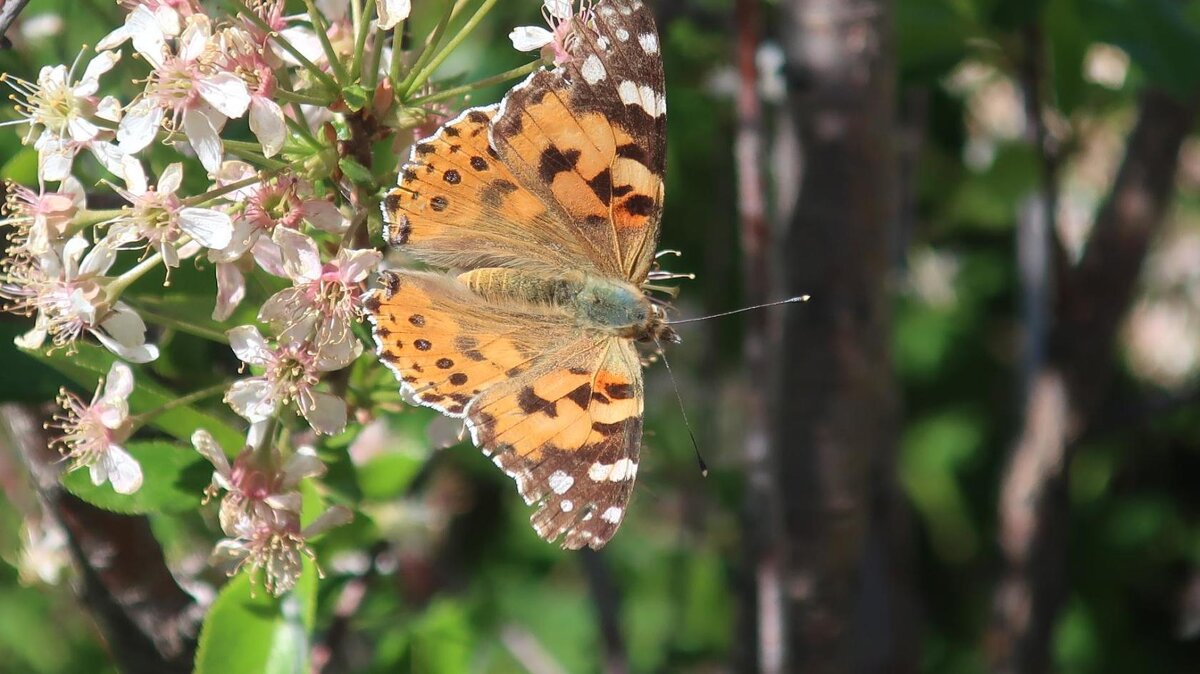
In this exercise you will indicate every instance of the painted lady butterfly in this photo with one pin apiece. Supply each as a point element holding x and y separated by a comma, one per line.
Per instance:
<point>551,203</point>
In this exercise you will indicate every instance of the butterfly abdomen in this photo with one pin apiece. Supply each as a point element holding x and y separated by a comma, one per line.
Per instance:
<point>595,302</point>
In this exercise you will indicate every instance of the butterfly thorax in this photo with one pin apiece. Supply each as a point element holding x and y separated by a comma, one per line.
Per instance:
<point>608,305</point>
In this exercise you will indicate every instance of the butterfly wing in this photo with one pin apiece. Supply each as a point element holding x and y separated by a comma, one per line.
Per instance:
<point>589,137</point>
<point>557,408</point>
<point>458,205</point>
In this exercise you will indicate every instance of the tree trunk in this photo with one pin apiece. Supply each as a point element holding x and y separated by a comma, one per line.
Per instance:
<point>845,581</point>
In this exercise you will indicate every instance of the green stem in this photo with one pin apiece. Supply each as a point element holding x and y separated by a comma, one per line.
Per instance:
<point>238,8</point>
<point>397,53</point>
<point>226,189</point>
<point>293,97</point>
<point>426,51</point>
<point>251,153</point>
<point>118,285</point>
<point>458,38</point>
<point>467,88</point>
<point>180,325</point>
<point>371,78</point>
<point>88,218</point>
<point>362,26</point>
<point>182,401</point>
<point>322,30</point>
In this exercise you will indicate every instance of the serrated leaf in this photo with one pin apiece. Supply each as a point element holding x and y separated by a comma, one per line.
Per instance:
<point>173,478</point>
<point>356,96</point>
<point>89,362</point>
<point>255,632</point>
<point>356,172</point>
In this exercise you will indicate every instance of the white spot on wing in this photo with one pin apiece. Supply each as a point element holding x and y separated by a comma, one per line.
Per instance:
<point>622,469</point>
<point>622,34</point>
<point>612,515</point>
<point>566,505</point>
<point>560,482</point>
<point>592,69</point>
<point>599,472</point>
<point>654,103</point>
<point>649,42</point>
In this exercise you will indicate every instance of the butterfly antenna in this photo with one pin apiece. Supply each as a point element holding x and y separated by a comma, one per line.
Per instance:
<point>683,410</point>
<point>790,300</point>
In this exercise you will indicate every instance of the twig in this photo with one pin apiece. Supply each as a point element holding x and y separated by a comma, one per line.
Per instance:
<point>9,11</point>
<point>528,651</point>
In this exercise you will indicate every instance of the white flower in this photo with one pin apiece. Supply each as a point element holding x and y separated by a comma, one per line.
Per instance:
<point>158,218</point>
<point>93,434</point>
<point>391,12</point>
<point>162,18</point>
<point>65,116</point>
<point>275,546</point>
<point>326,299</point>
<point>40,219</point>
<point>292,372</point>
<point>560,40</point>
<point>45,555</point>
<point>255,484</point>
<point>67,294</point>
<point>194,83</point>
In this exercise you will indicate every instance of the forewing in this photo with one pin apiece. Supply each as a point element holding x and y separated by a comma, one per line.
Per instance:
<point>557,408</point>
<point>458,205</point>
<point>589,137</point>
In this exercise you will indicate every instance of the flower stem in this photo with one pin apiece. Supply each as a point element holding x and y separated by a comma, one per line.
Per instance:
<point>293,97</point>
<point>180,325</point>
<point>485,82</point>
<point>182,401</point>
<point>362,26</point>
<point>458,38</point>
<point>119,284</point>
<point>322,30</point>
<point>371,78</point>
<point>251,153</point>
<point>397,53</point>
<point>88,218</point>
<point>226,189</point>
<point>239,8</point>
<point>426,51</point>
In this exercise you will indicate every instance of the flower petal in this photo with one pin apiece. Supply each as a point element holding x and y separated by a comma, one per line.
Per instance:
<point>200,125</point>
<point>170,179</point>
<point>231,290</point>
<point>266,121</point>
<point>391,12</point>
<point>207,446</point>
<point>123,470</point>
<point>334,517</point>
<point>210,228</point>
<point>124,333</point>
<point>301,260</point>
<point>147,35</point>
<point>530,38</point>
<point>357,264</point>
<point>139,126</point>
<point>325,412</point>
<point>226,92</point>
<point>90,82</point>
<point>248,343</point>
<point>98,260</point>
<point>252,399</point>
<point>119,383</point>
<point>304,463</point>
<point>324,216</point>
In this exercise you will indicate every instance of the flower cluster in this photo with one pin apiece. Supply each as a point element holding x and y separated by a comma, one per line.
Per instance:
<point>240,159</point>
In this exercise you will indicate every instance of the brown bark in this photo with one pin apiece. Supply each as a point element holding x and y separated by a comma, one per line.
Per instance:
<point>147,620</point>
<point>1067,390</point>
<point>848,602</point>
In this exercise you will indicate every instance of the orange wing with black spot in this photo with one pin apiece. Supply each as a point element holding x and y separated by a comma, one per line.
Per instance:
<point>556,408</point>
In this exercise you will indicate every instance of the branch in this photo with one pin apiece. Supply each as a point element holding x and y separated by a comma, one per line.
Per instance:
<point>607,602</point>
<point>148,621</point>
<point>1066,392</point>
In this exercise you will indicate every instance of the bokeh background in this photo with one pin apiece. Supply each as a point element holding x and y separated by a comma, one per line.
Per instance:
<point>976,448</point>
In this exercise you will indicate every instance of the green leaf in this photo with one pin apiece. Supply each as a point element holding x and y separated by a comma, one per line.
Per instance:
<point>173,478</point>
<point>247,630</point>
<point>356,172</point>
<point>90,362</point>
<point>21,167</point>
<point>356,96</point>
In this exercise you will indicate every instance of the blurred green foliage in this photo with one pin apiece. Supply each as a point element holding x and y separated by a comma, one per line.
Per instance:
<point>471,585</point>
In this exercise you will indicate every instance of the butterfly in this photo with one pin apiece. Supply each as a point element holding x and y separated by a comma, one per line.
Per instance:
<point>546,210</point>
